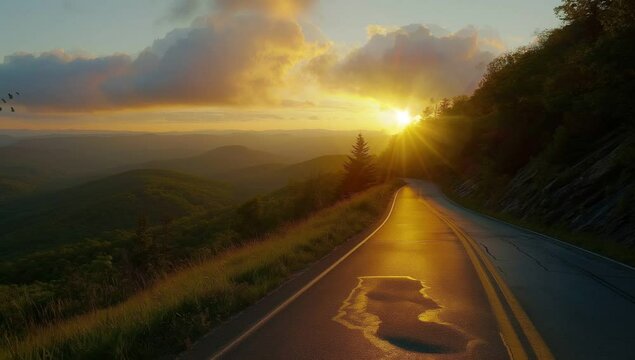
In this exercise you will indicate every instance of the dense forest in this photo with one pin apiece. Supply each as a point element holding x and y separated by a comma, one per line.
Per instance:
<point>549,135</point>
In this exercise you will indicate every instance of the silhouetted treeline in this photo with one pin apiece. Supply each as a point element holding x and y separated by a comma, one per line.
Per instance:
<point>552,100</point>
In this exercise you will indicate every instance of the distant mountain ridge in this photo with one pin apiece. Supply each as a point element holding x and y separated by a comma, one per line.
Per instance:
<point>30,161</point>
<point>170,190</point>
<point>213,162</point>
<point>114,202</point>
<point>259,179</point>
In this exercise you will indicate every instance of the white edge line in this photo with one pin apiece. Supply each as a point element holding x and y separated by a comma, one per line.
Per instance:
<point>306,287</point>
<point>534,232</point>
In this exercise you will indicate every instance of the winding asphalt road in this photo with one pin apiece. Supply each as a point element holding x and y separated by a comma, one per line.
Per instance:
<point>437,281</point>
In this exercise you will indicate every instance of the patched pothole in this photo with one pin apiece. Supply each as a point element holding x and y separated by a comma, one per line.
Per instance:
<point>393,312</point>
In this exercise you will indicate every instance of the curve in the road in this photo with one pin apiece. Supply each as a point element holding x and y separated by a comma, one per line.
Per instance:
<point>507,291</point>
<point>286,303</point>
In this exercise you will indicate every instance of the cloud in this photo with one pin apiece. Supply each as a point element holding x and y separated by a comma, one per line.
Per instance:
<point>235,59</point>
<point>60,80</point>
<point>277,7</point>
<point>187,9</point>
<point>410,64</point>
<point>183,10</point>
<point>255,52</point>
<point>240,60</point>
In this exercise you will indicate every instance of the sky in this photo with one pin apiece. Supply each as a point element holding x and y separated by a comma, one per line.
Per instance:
<point>170,65</point>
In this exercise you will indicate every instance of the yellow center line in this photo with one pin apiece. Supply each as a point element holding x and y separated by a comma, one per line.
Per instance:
<point>483,266</point>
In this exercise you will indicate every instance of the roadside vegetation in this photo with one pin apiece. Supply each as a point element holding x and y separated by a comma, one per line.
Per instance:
<point>140,264</point>
<point>108,267</point>
<point>169,315</point>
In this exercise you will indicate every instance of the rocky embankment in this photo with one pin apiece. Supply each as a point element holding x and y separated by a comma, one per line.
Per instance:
<point>596,195</point>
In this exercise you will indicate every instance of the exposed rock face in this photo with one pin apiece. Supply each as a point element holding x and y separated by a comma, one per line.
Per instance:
<point>596,195</point>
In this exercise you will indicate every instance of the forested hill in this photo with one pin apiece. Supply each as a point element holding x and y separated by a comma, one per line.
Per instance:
<point>113,203</point>
<point>549,136</point>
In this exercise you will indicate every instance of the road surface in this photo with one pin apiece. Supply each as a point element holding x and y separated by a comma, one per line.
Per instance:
<point>436,281</point>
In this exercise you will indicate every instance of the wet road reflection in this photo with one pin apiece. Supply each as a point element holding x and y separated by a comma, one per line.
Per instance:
<point>395,313</point>
<point>410,292</point>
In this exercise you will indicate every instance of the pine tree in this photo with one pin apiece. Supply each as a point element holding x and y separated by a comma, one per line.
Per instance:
<point>359,169</point>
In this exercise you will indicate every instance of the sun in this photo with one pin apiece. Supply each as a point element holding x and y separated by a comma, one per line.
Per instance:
<point>404,119</point>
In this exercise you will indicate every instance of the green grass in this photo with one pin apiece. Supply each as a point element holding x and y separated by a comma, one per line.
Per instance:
<point>169,316</point>
<point>591,242</point>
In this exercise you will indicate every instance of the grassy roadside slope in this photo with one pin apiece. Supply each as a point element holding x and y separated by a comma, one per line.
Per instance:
<point>587,241</point>
<point>166,318</point>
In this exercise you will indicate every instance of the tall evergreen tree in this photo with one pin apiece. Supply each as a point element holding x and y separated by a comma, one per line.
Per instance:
<point>360,172</point>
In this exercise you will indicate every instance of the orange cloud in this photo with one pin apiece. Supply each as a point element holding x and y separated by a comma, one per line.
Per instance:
<point>255,52</point>
<point>409,64</point>
<point>186,9</point>
<point>278,7</point>
<point>237,58</point>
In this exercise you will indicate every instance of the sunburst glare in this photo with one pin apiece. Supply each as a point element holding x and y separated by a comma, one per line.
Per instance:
<point>403,118</point>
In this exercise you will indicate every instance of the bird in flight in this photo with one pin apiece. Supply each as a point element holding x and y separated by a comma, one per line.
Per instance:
<point>10,100</point>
